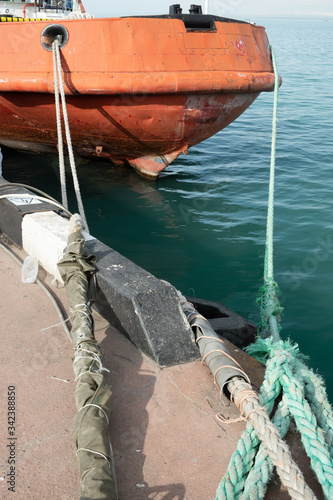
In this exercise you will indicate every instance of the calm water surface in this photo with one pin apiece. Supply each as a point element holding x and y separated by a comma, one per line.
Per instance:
<point>201,226</point>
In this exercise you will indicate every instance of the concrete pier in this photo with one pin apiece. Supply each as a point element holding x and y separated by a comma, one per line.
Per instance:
<point>167,442</point>
<point>145,308</point>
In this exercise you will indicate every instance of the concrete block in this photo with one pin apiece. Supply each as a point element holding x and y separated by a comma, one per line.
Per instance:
<point>44,236</point>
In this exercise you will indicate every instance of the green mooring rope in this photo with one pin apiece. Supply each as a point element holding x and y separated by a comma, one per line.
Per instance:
<point>302,393</point>
<point>270,308</point>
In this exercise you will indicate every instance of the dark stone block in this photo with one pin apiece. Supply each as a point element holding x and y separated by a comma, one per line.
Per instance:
<point>146,308</point>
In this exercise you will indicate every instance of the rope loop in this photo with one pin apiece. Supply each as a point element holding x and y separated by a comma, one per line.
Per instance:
<point>96,406</point>
<point>96,453</point>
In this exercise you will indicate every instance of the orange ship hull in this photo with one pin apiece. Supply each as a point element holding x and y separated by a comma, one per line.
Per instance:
<point>140,90</point>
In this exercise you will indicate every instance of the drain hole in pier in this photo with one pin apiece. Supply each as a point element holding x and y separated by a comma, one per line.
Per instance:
<point>50,33</point>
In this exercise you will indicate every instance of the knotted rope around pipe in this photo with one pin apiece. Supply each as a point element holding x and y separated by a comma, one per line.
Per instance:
<point>303,396</point>
<point>304,399</point>
<point>262,443</point>
<point>59,89</point>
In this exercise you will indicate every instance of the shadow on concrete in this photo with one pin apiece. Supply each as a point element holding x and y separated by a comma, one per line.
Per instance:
<point>132,383</point>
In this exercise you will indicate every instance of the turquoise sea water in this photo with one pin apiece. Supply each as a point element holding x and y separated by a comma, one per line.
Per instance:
<point>201,226</point>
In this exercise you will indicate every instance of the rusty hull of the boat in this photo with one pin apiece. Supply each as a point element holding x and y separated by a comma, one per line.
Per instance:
<point>140,90</point>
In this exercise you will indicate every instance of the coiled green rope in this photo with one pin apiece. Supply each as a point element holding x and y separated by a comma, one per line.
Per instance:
<point>303,394</point>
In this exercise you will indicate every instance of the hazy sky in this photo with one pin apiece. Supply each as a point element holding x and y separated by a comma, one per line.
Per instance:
<point>242,9</point>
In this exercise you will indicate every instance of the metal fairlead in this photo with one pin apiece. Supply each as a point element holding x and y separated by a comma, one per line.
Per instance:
<point>50,33</point>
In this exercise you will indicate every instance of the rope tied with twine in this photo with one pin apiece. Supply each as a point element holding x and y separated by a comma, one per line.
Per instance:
<point>302,396</point>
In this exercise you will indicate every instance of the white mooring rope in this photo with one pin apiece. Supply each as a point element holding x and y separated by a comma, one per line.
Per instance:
<point>64,200</point>
<point>59,88</point>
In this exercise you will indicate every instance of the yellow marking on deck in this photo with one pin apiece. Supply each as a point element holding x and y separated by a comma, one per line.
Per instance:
<point>5,19</point>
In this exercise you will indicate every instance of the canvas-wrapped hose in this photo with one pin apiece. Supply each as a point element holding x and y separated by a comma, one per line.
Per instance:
<point>213,350</point>
<point>92,393</point>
